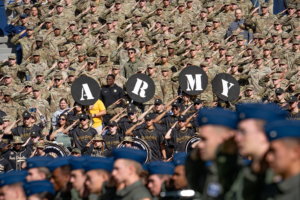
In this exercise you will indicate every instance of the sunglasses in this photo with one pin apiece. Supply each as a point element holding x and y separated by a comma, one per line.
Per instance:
<point>56,79</point>
<point>62,119</point>
<point>129,114</point>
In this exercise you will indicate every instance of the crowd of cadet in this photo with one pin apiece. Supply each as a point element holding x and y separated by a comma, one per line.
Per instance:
<point>249,148</point>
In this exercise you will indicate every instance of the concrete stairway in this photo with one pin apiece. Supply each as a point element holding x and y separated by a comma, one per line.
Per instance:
<point>6,47</point>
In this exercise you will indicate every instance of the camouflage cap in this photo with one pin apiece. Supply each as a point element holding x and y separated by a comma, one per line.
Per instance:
<point>29,27</point>
<point>62,48</point>
<point>98,138</point>
<point>7,92</point>
<point>150,65</point>
<point>116,67</point>
<point>149,42</point>
<point>171,46</point>
<point>138,27</point>
<point>58,76</point>
<point>208,55</point>
<point>128,139</point>
<point>193,48</point>
<point>204,64</point>
<point>36,88</point>
<point>165,68</point>
<point>209,24</point>
<point>293,81</point>
<point>103,54</point>
<point>76,150</point>
<point>71,73</point>
<point>94,4</point>
<point>296,41</point>
<point>280,70</point>
<point>105,37</point>
<point>240,37</point>
<point>258,57</point>
<point>188,36</point>
<point>276,76</point>
<point>36,53</point>
<point>12,56</point>
<point>229,53</point>
<point>250,87</point>
<point>283,62</point>
<point>164,54</point>
<point>109,20</point>
<point>285,36</point>
<point>264,5</point>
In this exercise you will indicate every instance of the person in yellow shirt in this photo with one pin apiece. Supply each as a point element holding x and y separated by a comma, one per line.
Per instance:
<point>97,111</point>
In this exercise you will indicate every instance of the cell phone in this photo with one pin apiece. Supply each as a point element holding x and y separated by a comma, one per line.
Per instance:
<point>32,109</point>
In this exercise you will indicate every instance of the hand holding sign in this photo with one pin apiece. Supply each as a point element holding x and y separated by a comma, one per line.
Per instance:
<point>226,87</point>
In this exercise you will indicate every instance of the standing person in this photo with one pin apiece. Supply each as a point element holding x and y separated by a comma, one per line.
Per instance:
<point>58,136</point>
<point>63,108</point>
<point>82,134</point>
<point>109,94</point>
<point>126,171</point>
<point>97,111</point>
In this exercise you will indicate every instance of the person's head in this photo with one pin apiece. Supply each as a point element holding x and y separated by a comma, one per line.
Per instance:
<point>179,178</point>
<point>283,156</point>
<point>238,14</point>
<point>131,53</point>
<point>128,165</point>
<point>251,139</point>
<point>213,131</point>
<point>84,119</point>
<point>63,103</point>
<point>176,108</point>
<point>37,170</point>
<point>159,173</point>
<point>110,80</point>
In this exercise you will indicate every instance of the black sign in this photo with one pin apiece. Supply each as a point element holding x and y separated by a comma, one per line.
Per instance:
<point>139,144</point>
<point>226,87</point>
<point>55,150</point>
<point>140,88</point>
<point>193,80</point>
<point>85,90</point>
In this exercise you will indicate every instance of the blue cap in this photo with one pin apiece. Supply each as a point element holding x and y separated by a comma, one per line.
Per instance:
<point>35,187</point>
<point>58,162</point>
<point>77,162</point>
<point>99,163</point>
<point>38,161</point>
<point>23,15</point>
<point>217,116</point>
<point>161,168</point>
<point>179,158</point>
<point>131,154</point>
<point>13,177</point>
<point>282,128</point>
<point>268,112</point>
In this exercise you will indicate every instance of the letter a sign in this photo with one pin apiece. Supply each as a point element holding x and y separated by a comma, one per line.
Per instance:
<point>85,90</point>
<point>226,87</point>
<point>193,80</point>
<point>140,88</point>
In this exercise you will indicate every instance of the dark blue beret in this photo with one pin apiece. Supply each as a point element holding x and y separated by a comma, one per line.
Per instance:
<point>77,162</point>
<point>99,163</point>
<point>131,154</point>
<point>179,158</point>
<point>267,112</point>
<point>217,116</point>
<point>282,129</point>
<point>13,177</point>
<point>161,168</point>
<point>58,162</point>
<point>38,161</point>
<point>35,187</point>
